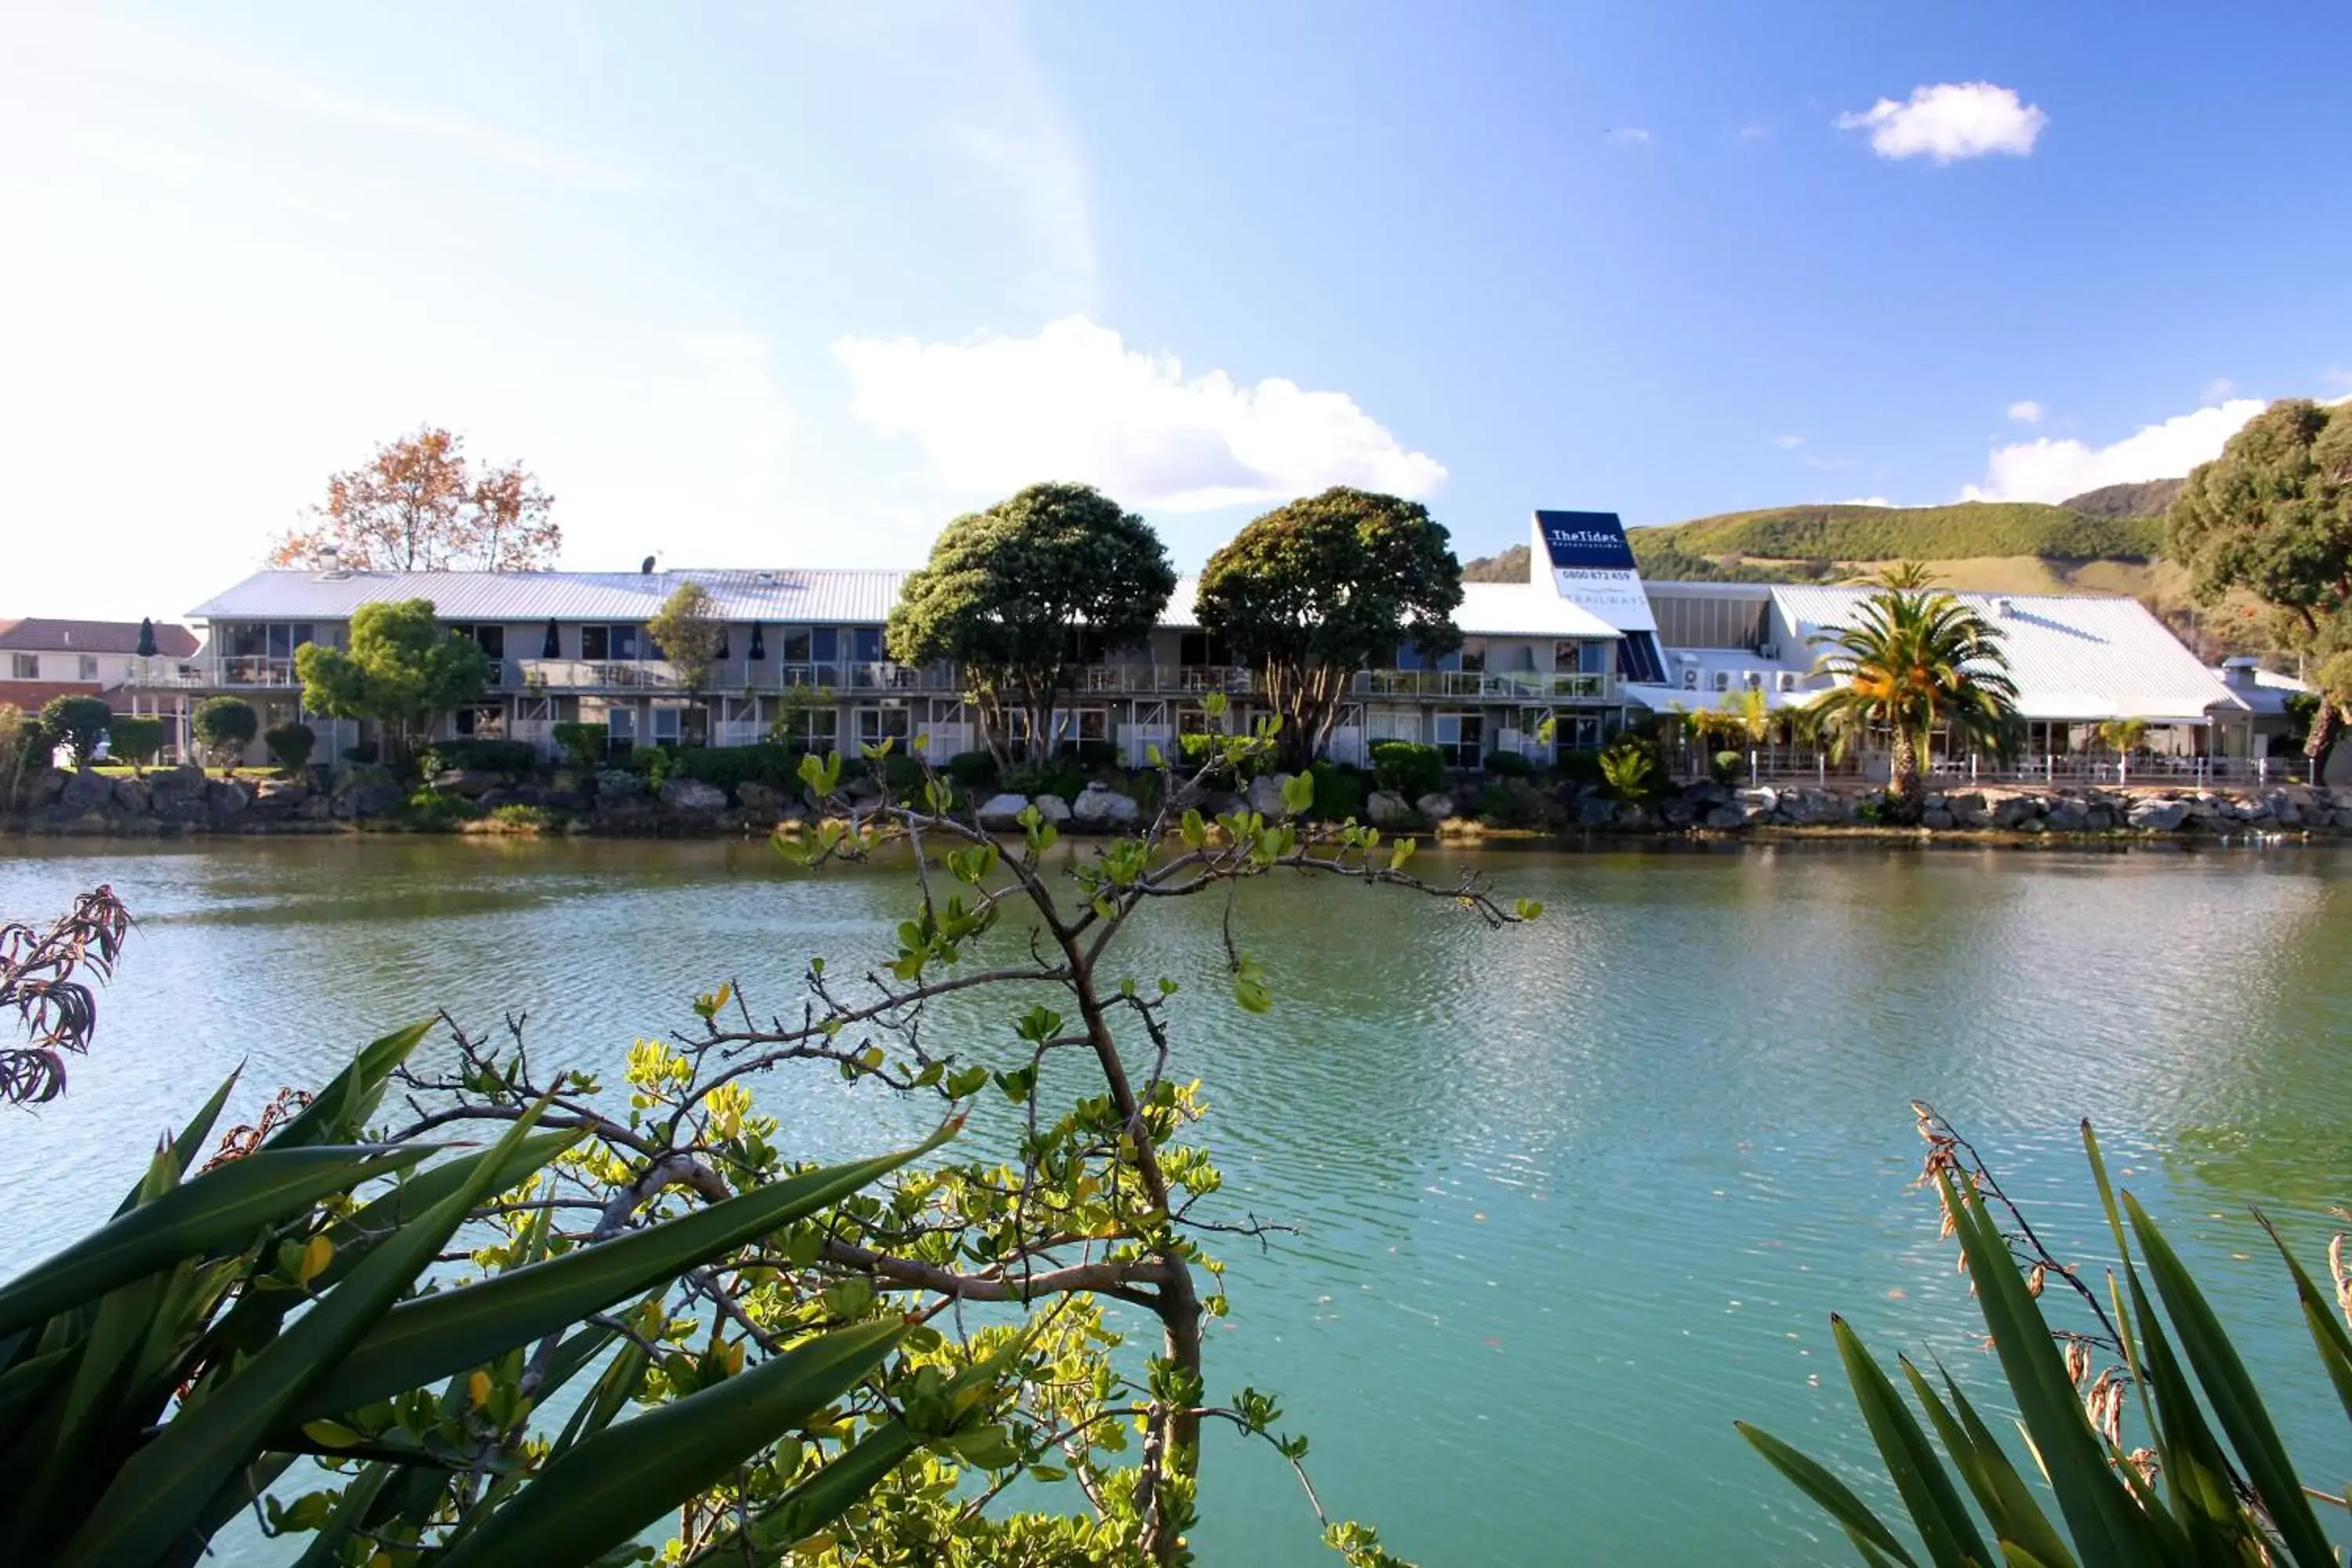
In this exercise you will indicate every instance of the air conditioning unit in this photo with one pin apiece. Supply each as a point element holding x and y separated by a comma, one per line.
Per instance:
<point>1769,651</point>
<point>1755,679</point>
<point>1723,680</point>
<point>1787,680</point>
<point>1690,678</point>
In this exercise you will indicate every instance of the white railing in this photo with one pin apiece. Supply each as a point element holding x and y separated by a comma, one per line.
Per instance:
<point>1521,686</point>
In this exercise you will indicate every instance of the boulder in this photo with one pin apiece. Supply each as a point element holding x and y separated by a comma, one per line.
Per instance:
<point>1969,809</point>
<point>1727,817</point>
<point>1674,811</point>
<point>2016,811</point>
<point>763,800</point>
<point>2343,819</point>
<point>1264,797</point>
<point>226,799</point>
<point>1100,807</point>
<point>1435,806</point>
<point>471,783</point>
<point>45,786</point>
<point>693,797</point>
<point>2068,817</point>
<point>569,800</point>
<point>511,795</point>
<point>2159,815</point>
<point>86,790</point>
<point>2100,819</point>
<point>134,796</point>
<point>1939,819</point>
<point>1755,804</point>
<point>618,784</point>
<point>1001,812</point>
<point>1053,809</point>
<point>370,800</point>
<point>1597,811</point>
<point>1387,808</point>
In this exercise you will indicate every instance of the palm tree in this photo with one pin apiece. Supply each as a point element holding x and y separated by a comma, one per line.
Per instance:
<point>1903,577</point>
<point>1910,662</point>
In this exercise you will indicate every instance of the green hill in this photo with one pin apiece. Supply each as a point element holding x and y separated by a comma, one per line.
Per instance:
<point>1849,533</point>
<point>2145,498</point>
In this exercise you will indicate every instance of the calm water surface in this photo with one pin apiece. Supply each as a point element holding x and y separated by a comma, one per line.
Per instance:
<point>1570,1198</point>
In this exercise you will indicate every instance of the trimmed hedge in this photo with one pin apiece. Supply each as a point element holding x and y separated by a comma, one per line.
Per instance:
<point>581,745</point>
<point>726,767</point>
<point>134,741</point>
<point>1339,792</point>
<point>1409,768</point>
<point>973,770</point>
<point>1509,765</point>
<point>516,759</point>
<point>291,745</point>
<point>78,723</point>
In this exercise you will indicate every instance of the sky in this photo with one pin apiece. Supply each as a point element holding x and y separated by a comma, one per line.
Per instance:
<point>794,287</point>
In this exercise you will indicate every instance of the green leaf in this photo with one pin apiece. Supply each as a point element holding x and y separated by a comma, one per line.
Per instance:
<point>341,1110</point>
<point>1250,988</point>
<point>608,1488</point>
<point>162,1490</point>
<point>216,1211</point>
<point>1937,1511</point>
<point>2319,1315</point>
<point>2000,1491</point>
<point>1836,1499</point>
<point>1298,793</point>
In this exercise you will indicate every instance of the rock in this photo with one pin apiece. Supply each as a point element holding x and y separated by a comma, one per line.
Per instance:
<point>761,800</point>
<point>1674,811</point>
<point>45,786</point>
<point>2068,817</point>
<point>371,801</point>
<point>2158,816</point>
<point>1755,804</point>
<point>169,786</point>
<point>1968,810</point>
<point>619,783</point>
<point>693,797</point>
<point>1264,797</point>
<point>471,783</point>
<point>1727,817</point>
<point>1387,808</point>
<point>1595,811</point>
<point>2100,819</point>
<point>1001,812</point>
<point>569,800</point>
<point>1436,807</point>
<point>2343,819</point>
<point>134,796</point>
<point>1939,819</point>
<point>1100,807</point>
<point>1706,792</point>
<point>226,799</point>
<point>1053,809</point>
<point>85,791</point>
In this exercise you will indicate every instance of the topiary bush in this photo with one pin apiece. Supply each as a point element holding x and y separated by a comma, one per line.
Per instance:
<point>1728,766</point>
<point>1339,792</point>
<point>1064,778</point>
<point>79,724</point>
<point>728,767</point>
<point>134,741</point>
<point>1409,768</point>
<point>975,771</point>
<point>431,811</point>
<point>1509,765</point>
<point>582,745</point>
<point>225,726</point>
<point>1095,755</point>
<point>291,745</point>
<point>515,759</point>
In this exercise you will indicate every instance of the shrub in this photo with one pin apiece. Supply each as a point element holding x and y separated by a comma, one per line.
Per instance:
<point>620,781</point>
<point>291,745</point>
<point>78,723</point>
<point>1728,766</point>
<point>900,776</point>
<point>1511,802</point>
<point>1063,777</point>
<point>134,741</point>
<point>513,758</point>
<point>1579,766</point>
<point>225,726</point>
<point>975,771</point>
<point>524,818</point>
<point>1095,755</point>
<point>430,811</point>
<point>362,755</point>
<point>16,730</point>
<point>1339,792</point>
<point>1509,765</point>
<point>1629,771</point>
<point>1409,768</point>
<point>581,745</point>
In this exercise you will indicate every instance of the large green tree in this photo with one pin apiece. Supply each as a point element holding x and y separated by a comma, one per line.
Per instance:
<point>1007,591</point>
<point>1908,664</point>
<point>1316,590</point>
<point>403,669</point>
<point>689,632</point>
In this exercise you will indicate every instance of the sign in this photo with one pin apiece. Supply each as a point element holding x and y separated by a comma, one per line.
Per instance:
<point>1592,566</point>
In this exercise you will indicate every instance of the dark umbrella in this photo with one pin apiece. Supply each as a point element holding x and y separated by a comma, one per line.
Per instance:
<point>758,648</point>
<point>722,641</point>
<point>146,638</point>
<point>553,646</point>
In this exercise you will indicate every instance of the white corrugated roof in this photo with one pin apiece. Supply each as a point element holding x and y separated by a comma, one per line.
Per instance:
<point>2072,656</point>
<point>851,596</point>
<point>1525,610</point>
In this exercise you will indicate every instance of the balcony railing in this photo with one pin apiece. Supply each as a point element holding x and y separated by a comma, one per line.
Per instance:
<point>728,677</point>
<point>1521,686</point>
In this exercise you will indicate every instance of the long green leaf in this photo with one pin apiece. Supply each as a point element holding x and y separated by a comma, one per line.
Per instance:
<point>2197,1474</point>
<point>216,1211</point>
<point>427,1339</point>
<point>2231,1394</point>
<point>351,1097</point>
<point>157,1497</point>
<point>353,1234</point>
<point>610,1487</point>
<point>2319,1315</point>
<point>1935,1505</point>
<point>2000,1491</point>
<point>1834,1494</point>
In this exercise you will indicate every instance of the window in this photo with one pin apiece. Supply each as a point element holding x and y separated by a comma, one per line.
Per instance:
<point>486,722</point>
<point>792,645</point>
<point>668,720</point>
<point>1462,737</point>
<point>865,645</point>
<point>825,644</point>
<point>1473,654</point>
<point>491,638</point>
<point>89,664</point>
<point>814,729</point>
<point>26,667</point>
<point>1581,657</point>
<point>1198,649</point>
<point>608,642</point>
<point>875,725</point>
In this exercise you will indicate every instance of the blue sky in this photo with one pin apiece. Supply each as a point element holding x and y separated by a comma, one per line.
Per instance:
<point>794,287</point>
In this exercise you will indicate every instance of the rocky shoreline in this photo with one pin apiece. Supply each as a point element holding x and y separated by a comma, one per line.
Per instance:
<point>179,802</point>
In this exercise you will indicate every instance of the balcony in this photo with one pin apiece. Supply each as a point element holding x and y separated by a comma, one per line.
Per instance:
<point>728,677</point>
<point>1479,685</point>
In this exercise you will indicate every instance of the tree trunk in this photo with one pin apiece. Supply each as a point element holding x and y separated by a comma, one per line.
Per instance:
<point>1903,773</point>
<point>2325,722</point>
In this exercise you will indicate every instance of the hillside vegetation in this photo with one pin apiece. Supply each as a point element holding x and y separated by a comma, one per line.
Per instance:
<point>2145,498</point>
<point>1845,533</point>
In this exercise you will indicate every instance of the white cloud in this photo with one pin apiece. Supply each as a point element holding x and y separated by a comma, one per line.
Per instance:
<point>1866,500</point>
<point>1787,443</point>
<point>2051,471</point>
<point>1950,121</point>
<point>2026,411</point>
<point>1075,403</point>
<point>1754,133</point>
<point>2217,389</point>
<point>1628,136</point>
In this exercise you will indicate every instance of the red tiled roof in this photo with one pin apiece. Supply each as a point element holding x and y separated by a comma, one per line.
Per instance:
<point>29,695</point>
<point>37,634</point>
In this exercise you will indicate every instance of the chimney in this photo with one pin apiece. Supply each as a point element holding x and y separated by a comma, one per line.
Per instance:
<point>2003,609</point>
<point>330,562</point>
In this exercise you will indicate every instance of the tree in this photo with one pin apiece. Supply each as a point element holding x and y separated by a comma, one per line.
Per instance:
<point>291,745</point>
<point>1315,591</point>
<point>79,724</point>
<point>1908,663</point>
<point>57,1012</point>
<point>420,505</point>
<point>404,669</point>
<point>2273,515</point>
<point>2331,690</point>
<point>689,634</point>
<point>1007,593</point>
<point>225,726</point>
<point>2124,736</point>
<point>1906,576</point>
<point>134,740</point>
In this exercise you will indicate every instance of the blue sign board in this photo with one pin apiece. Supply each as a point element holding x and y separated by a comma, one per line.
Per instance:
<point>1588,541</point>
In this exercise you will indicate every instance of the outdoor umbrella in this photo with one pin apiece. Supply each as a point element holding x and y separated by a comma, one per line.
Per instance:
<point>758,648</point>
<point>553,646</point>
<point>146,638</point>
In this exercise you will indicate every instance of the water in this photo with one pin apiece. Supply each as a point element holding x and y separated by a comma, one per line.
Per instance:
<point>1569,1198</point>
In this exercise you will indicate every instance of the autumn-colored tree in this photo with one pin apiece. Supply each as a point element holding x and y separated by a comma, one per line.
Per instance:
<point>418,505</point>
